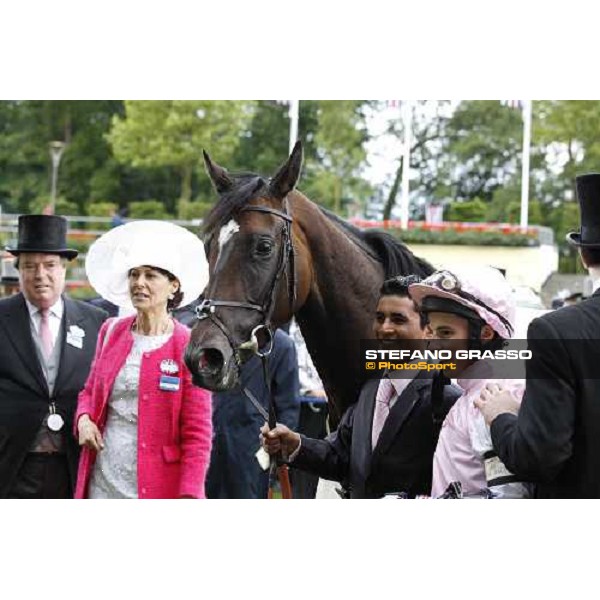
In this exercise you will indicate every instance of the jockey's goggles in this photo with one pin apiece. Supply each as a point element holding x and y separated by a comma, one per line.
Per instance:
<point>449,283</point>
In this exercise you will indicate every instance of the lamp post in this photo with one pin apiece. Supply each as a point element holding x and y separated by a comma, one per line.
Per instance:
<point>56,150</point>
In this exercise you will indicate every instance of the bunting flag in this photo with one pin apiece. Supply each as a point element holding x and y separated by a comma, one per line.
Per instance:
<point>512,103</point>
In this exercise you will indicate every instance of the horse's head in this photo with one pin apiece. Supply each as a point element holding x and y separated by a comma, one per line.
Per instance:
<point>253,276</point>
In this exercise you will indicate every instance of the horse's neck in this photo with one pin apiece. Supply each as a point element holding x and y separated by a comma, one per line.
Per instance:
<point>343,273</point>
<point>338,311</point>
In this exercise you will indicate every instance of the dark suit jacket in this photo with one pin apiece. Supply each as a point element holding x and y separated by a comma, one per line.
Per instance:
<point>555,441</point>
<point>24,394</point>
<point>234,471</point>
<point>112,310</point>
<point>403,457</point>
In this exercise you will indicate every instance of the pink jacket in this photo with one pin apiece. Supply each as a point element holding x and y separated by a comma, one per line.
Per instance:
<point>464,436</point>
<point>174,427</point>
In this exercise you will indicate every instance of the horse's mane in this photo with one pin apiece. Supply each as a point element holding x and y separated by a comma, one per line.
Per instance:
<point>395,257</point>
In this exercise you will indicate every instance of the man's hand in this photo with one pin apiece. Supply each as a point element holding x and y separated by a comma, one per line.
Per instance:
<point>494,401</point>
<point>89,434</point>
<point>281,439</point>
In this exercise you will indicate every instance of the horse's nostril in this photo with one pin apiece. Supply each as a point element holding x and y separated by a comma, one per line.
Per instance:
<point>210,358</point>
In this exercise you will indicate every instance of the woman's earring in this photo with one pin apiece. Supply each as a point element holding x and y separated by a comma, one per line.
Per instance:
<point>171,296</point>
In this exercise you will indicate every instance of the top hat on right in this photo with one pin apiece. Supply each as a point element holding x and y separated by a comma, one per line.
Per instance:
<point>588,195</point>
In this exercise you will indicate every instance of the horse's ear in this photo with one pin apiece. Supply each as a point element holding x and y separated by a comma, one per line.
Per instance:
<point>287,176</point>
<point>217,174</point>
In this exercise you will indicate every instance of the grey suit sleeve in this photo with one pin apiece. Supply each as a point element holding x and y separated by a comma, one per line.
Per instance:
<point>536,445</point>
<point>328,458</point>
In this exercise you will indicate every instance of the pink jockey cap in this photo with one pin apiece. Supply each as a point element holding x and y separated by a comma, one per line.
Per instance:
<point>484,290</point>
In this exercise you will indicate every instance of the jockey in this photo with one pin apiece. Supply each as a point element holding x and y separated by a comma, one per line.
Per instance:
<point>476,308</point>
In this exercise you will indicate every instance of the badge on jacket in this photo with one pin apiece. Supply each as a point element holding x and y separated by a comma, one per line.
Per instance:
<point>169,384</point>
<point>169,366</point>
<point>75,336</point>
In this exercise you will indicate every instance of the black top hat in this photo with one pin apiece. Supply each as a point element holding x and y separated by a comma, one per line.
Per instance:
<point>43,233</point>
<point>588,194</point>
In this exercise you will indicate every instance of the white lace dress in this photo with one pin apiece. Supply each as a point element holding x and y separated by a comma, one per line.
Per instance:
<point>115,472</point>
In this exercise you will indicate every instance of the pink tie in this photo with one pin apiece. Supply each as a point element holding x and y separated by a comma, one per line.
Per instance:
<point>385,393</point>
<point>45,333</point>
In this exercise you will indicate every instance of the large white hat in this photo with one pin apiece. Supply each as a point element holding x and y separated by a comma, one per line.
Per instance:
<point>152,243</point>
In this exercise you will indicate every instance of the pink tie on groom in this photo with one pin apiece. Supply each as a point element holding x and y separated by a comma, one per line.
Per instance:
<point>385,393</point>
<point>45,333</point>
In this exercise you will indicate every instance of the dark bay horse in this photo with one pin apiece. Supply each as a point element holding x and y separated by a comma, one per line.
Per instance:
<point>273,253</point>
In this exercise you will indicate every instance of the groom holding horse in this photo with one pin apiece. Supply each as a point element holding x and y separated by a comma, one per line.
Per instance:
<point>385,442</point>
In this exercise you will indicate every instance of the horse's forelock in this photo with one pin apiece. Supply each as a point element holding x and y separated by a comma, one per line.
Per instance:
<point>246,187</point>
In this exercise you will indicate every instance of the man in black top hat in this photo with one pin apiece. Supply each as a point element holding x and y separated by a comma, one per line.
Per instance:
<point>48,342</point>
<point>554,440</point>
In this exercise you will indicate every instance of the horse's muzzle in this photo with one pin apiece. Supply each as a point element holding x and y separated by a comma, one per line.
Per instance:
<point>211,368</point>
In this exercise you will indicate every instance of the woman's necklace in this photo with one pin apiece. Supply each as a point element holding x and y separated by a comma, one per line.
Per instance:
<point>160,331</point>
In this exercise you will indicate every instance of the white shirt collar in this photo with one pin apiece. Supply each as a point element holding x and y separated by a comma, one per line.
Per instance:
<point>56,309</point>
<point>595,275</point>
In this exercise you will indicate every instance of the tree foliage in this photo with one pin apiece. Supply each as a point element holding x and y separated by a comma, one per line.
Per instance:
<point>27,127</point>
<point>333,135</point>
<point>466,156</point>
<point>339,139</point>
<point>429,122</point>
<point>482,146</point>
<point>173,133</point>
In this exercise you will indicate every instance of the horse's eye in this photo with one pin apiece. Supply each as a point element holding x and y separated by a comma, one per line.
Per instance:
<point>264,247</point>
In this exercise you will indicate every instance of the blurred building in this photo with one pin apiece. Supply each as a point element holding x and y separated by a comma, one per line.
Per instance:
<point>9,276</point>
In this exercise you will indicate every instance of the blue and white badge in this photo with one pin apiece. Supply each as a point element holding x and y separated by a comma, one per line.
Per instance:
<point>169,384</point>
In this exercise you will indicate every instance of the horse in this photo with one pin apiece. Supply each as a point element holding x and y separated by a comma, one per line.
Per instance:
<point>273,253</point>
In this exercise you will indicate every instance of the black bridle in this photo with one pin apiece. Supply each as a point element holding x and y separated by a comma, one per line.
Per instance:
<point>285,265</point>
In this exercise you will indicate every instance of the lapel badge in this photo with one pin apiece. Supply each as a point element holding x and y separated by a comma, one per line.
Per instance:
<point>75,336</point>
<point>76,331</point>
<point>169,366</point>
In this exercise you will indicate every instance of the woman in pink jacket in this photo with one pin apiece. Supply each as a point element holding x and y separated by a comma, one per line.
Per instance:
<point>146,430</point>
<point>475,308</point>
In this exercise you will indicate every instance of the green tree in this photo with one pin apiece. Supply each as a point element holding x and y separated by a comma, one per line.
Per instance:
<point>429,119</point>
<point>265,145</point>
<point>482,144</point>
<point>569,133</point>
<point>468,211</point>
<point>505,206</point>
<point>26,128</point>
<point>172,133</point>
<point>339,138</point>
<point>333,135</point>
<point>148,209</point>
